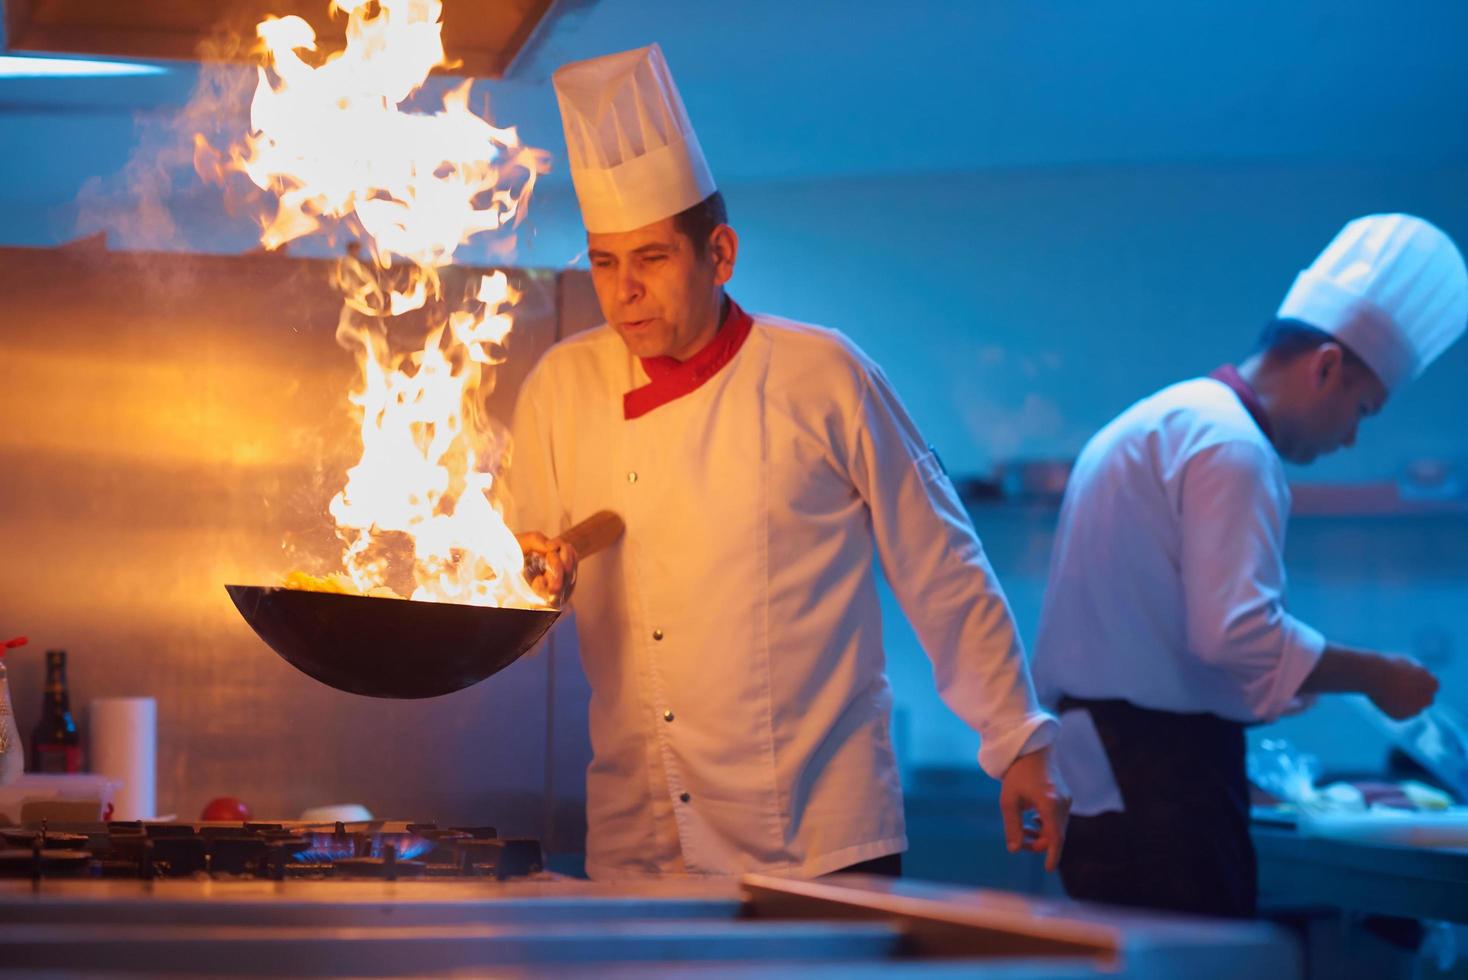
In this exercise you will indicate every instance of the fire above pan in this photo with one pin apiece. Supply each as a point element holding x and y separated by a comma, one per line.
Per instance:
<point>401,648</point>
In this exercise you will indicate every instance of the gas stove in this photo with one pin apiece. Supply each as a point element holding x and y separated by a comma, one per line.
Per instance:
<point>380,849</point>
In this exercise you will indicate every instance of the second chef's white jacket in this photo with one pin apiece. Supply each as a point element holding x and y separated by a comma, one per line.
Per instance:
<point>1167,581</point>
<point>732,639</point>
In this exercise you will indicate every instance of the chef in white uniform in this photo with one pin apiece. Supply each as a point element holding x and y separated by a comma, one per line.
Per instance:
<point>739,708</point>
<point>1164,629</point>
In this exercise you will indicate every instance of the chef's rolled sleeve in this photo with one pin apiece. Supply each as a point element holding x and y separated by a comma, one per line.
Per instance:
<point>1234,503</point>
<point>936,566</point>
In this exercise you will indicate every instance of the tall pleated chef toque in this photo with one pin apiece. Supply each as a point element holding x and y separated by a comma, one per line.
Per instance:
<point>634,156</point>
<point>1392,288</point>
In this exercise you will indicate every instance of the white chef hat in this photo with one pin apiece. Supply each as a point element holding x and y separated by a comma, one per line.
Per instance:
<point>634,156</point>
<point>1392,288</point>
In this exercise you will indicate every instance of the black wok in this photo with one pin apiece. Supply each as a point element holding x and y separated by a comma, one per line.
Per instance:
<point>399,648</point>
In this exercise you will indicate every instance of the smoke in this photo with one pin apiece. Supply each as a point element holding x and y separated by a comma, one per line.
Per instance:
<point>1001,411</point>
<point>158,201</point>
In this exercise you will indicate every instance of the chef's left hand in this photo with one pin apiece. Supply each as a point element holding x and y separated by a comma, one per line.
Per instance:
<point>1033,783</point>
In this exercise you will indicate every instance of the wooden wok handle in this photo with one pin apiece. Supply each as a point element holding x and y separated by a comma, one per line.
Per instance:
<point>600,530</point>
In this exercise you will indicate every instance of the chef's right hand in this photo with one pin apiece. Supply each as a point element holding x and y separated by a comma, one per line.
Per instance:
<point>559,557</point>
<point>1402,687</point>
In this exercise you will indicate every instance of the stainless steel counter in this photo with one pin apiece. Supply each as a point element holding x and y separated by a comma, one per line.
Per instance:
<point>849,924</point>
<point>1381,879</point>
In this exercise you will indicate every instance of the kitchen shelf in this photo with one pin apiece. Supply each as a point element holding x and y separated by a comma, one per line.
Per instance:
<point>1383,499</point>
<point>1378,499</point>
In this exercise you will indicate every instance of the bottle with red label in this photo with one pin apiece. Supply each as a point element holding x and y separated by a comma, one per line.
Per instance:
<point>56,746</point>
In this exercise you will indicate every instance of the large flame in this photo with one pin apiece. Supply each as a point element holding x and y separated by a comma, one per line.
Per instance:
<point>338,141</point>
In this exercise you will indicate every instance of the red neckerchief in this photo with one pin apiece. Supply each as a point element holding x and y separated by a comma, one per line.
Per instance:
<point>671,379</point>
<point>1230,376</point>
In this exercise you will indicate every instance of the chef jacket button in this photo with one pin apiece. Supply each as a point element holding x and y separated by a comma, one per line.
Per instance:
<point>657,634</point>
<point>667,716</point>
<point>631,476</point>
<point>684,797</point>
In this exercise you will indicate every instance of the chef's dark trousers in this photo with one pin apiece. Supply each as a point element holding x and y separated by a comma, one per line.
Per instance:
<point>888,865</point>
<point>1182,843</point>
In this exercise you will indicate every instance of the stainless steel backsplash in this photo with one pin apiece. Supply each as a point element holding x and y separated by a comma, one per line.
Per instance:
<point>170,423</point>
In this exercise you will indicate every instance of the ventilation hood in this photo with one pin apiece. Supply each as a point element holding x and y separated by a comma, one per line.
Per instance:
<point>486,35</point>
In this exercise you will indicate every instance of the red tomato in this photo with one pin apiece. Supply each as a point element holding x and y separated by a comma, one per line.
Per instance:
<point>225,808</point>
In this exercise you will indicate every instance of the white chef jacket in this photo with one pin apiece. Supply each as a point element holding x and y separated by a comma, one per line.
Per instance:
<point>1167,578</point>
<point>732,638</point>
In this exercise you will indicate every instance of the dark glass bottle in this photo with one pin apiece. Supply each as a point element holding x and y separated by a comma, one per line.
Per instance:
<point>56,745</point>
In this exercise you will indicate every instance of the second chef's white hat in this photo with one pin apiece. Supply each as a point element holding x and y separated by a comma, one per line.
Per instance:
<point>633,153</point>
<point>1392,288</point>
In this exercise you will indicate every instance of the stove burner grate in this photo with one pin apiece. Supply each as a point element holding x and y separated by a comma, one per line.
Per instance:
<point>278,851</point>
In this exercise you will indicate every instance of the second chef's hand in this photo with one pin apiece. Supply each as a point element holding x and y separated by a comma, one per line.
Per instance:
<point>1399,686</point>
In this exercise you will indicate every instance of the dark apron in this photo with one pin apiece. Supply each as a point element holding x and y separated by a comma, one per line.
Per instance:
<point>1182,843</point>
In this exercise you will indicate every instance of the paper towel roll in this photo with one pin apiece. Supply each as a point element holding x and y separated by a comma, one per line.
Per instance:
<point>124,747</point>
